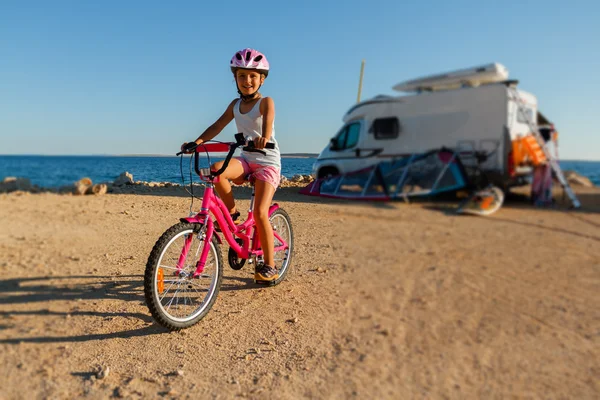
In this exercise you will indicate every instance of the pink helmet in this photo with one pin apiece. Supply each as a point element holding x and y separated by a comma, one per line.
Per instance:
<point>250,59</point>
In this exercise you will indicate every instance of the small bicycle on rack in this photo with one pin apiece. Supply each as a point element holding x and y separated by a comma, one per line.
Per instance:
<point>185,268</point>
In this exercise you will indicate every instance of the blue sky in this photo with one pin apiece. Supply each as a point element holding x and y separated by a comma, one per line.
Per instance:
<point>140,77</point>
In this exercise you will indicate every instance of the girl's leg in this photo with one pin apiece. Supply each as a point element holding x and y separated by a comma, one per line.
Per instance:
<point>234,172</point>
<point>262,201</point>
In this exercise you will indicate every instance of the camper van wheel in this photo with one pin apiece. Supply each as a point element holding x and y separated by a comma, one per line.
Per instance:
<point>327,172</point>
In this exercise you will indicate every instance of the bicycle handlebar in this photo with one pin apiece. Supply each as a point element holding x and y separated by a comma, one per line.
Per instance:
<point>249,146</point>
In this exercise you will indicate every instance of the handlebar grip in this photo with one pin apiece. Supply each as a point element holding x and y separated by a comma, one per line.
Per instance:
<point>251,145</point>
<point>191,146</point>
<point>254,150</point>
<point>188,148</point>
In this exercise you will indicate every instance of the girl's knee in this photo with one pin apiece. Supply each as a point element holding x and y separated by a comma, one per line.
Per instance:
<point>216,166</point>
<point>261,213</point>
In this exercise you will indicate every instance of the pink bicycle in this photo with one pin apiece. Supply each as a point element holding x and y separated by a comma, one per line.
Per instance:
<point>185,268</point>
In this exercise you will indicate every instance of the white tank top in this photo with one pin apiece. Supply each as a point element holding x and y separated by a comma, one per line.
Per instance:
<point>250,124</point>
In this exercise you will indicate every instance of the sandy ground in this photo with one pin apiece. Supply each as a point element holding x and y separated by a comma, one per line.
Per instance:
<point>390,301</point>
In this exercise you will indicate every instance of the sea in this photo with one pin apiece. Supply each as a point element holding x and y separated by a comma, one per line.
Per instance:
<point>55,171</point>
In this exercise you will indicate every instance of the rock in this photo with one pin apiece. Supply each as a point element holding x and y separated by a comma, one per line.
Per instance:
<point>576,179</point>
<point>81,186</point>
<point>102,372</point>
<point>124,179</point>
<point>12,184</point>
<point>99,188</point>
<point>296,178</point>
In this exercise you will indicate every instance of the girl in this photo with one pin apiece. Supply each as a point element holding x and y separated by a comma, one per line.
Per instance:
<point>254,116</point>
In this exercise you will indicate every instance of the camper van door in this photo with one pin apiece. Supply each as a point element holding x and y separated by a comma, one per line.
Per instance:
<point>344,148</point>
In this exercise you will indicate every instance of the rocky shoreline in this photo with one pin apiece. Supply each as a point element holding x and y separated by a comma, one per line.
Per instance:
<point>124,183</point>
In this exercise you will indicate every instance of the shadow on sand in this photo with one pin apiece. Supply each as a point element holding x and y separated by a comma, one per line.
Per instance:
<point>590,205</point>
<point>85,291</point>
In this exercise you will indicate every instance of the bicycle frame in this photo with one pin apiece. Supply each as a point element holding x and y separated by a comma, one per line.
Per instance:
<point>247,232</point>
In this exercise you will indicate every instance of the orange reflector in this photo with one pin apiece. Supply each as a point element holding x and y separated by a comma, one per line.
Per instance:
<point>486,202</point>
<point>160,281</point>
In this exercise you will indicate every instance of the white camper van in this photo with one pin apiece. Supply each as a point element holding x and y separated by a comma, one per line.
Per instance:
<point>469,110</point>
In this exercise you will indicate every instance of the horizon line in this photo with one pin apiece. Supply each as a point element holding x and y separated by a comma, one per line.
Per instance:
<point>169,155</point>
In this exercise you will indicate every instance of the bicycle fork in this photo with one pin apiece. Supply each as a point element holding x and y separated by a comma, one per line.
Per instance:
<point>206,238</point>
<point>203,235</point>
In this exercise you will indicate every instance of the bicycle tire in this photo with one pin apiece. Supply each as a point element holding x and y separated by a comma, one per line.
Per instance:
<point>153,277</point>
<point>286,255</point>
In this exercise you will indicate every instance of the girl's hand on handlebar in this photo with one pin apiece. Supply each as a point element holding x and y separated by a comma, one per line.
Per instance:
<point>184,148</point>
<point>260,143</point>
<point>188,148</point>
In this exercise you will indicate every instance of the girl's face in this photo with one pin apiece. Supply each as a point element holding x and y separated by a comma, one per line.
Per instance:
<point>248,81</point>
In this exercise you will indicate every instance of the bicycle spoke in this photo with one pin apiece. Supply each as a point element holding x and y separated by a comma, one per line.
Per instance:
<point>197,285</point>
<point>185,293</point>
<point>166,291</point>
<point>174,297</point>
<point>170,302</point>
<point>190,297</point>
<point>175,268</point>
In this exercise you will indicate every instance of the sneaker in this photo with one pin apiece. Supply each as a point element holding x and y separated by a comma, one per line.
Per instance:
<point>265,273</point>
<point>234,217</point>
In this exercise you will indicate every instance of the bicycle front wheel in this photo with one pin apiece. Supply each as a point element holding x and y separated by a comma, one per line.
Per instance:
<point>177,296</point>
<point>283,242</point>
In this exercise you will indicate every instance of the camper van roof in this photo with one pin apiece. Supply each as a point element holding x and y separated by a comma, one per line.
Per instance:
<point>374,100</point>
<point>402,98</point>
<point>475,76</point>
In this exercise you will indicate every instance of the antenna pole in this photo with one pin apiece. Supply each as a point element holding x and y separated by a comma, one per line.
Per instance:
<point>362,70</point>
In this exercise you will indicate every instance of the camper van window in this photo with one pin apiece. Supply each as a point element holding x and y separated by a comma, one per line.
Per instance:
<point>347,137</point>
<point>352,138</point>
<point>386,128</point>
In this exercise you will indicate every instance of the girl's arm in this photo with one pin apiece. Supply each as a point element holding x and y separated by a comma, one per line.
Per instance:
<point>218,126</point>
<point>267,109</point>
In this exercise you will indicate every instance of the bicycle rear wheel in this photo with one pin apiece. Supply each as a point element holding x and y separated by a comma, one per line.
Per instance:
<point>282,227</point>
<point>176,298</point>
